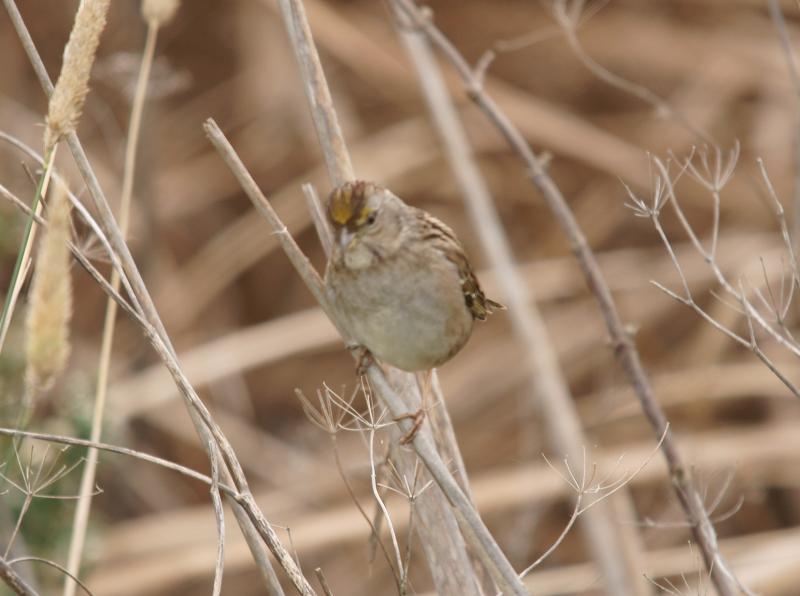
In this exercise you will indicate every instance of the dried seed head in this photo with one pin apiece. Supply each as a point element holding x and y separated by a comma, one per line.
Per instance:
<point>159,12</point>
<point>72,86</point>
<point>50,307</point>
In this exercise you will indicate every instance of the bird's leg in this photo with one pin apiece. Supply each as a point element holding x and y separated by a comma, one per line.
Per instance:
<point>417,418</point>
<point>423,384</point>
<point>364,358</point>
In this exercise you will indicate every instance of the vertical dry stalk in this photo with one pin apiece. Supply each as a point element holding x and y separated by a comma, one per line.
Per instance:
<point>612,549</point>
<point>331,139</point>
<point>155,13</point>
<point>453,563</point>
<point>47,342</point>
<point>72,86</point>
<point>159,12</point>
<point>624,348</point>
<point>794,74</point>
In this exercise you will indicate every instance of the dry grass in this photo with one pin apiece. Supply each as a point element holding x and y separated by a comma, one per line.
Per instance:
<point>248,334</point>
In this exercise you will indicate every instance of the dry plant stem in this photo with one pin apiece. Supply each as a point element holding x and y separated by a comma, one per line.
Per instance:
<point>475,532</point>
<point>780,213</point>
<point>12,579</point>
<point>440,418</point>
<point>82,260</point>
<point>75,442</point>
<point>794,74</point>
<point>55,566</point>
<point>326,589</point>
<point>373,477</point>
<point>373,529</point>
<point>547,384</point>
<point>21,267</point>
<point>318,216</point>
<point>624,349</point>
<point>569,20</point>
<point>87,218</point>
<point>688,300</point>
<point>159,339</point>
<point>319,96</point>
<point>216,500</point>
<point>750,311</point>
<point>231,494</point>
<point>209,431</point>
<point>81,516</point>
<point>256,545</point>
<point>274,588</point>
<point>443,549</point>
<point>471,525</point>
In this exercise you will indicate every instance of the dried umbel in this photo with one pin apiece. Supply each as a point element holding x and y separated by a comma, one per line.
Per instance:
<point>70,91</point>
<point>50,308</point>
<point>159,12</point>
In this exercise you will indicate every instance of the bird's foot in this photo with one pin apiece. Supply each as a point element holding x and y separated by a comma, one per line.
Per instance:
<point>364,358</point>
<point>417,418</point>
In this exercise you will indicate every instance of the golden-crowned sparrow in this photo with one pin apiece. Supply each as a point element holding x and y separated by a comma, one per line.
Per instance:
<point>400,278</point>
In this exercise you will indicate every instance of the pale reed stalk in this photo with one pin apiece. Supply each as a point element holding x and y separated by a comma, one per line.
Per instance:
<point>155,13</point>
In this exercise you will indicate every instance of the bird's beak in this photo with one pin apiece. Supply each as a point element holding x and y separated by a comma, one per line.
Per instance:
<point>345,237</point>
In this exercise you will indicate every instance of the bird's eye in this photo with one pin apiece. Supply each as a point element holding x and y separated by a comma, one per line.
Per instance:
<point>371,218</point>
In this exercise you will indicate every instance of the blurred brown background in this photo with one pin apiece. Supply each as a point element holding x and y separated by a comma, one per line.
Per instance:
<point>248,333</point>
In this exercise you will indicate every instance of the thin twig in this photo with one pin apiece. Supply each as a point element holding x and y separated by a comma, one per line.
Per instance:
<point>794,74</point>
<point>323,582</point>
<point>326,123</point>
<point>90,221</point>
<point>70,577</point>
<point>13,580</point>
<point>21,268</point>
<point>379,500</point>
<point>81,516</point>
<point>569,20</point>
<point>318,217</point>
<point>82,259</point>
<point>63,440</point>
<point>216,500</point>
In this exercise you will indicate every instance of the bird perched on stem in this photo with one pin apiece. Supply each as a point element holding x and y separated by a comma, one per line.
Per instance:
<point>400,278</point>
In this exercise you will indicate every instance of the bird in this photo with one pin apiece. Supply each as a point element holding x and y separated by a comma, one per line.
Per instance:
<point>400,279</point>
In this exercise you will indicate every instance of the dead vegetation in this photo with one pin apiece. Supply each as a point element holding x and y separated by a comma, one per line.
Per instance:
<point>686,111</point>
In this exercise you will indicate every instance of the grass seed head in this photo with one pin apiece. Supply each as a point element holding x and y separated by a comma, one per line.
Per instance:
<point>50,307</point>
<point>70,91</point>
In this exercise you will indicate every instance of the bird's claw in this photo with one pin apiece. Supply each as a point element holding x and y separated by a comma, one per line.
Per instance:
<point>417,419</point>
<point>364,358</point>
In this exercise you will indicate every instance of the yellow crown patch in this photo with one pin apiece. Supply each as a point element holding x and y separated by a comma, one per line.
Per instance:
<point>346,204</point>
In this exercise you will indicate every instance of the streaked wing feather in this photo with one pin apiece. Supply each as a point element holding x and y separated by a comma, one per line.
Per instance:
<point>433,230</point>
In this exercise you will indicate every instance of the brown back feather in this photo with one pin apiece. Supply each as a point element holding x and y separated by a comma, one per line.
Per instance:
<point>437,232</point>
